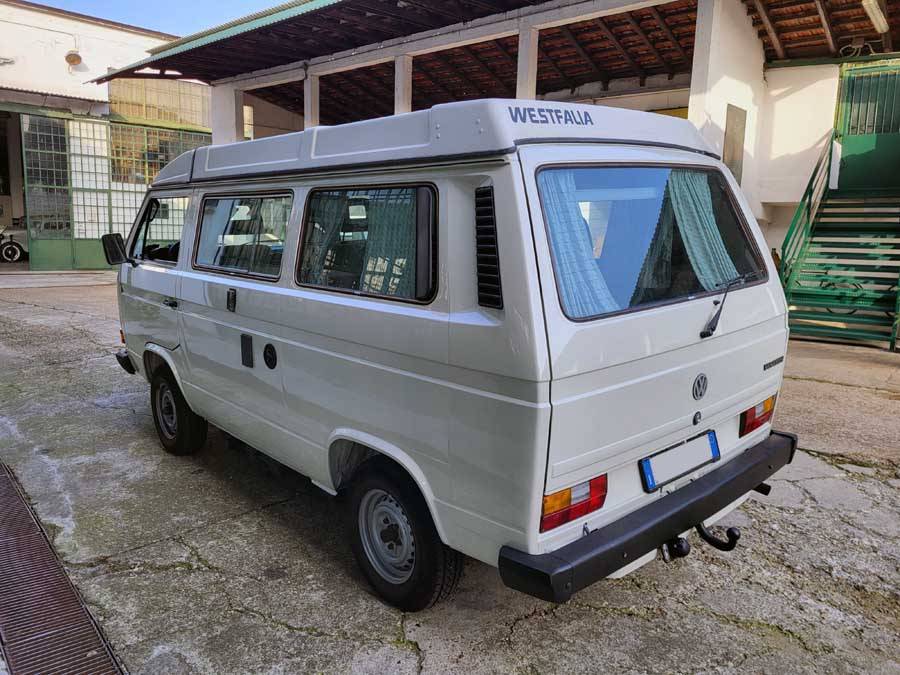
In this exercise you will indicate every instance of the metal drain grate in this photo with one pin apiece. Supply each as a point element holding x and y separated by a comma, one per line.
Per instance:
<point>44,626</point>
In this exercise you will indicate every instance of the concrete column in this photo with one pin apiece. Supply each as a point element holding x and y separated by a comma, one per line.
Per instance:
<point>403,71</point>
<point>526,75</point>
<point>227,114</point>
<point>311,101</point>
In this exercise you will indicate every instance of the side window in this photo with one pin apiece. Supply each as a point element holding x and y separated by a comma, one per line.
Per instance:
<point>243,234</point>
<point>158,236</point>
<point>373,241</point>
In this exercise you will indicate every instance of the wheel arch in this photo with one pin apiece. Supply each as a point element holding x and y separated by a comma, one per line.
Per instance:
<point>154,356</point>
<point>348,449</point>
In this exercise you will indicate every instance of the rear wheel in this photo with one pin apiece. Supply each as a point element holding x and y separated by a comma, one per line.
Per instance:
<point>181,431</point>
<point>395,541</point>
<point>11,252</point>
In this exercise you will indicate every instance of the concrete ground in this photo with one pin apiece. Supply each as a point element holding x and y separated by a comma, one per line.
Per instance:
<point>225,563</point>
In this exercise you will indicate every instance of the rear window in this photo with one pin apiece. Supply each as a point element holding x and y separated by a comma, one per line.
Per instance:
<point>622,238</point>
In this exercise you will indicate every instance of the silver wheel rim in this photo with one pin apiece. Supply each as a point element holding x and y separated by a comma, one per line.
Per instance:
<point>165,408</point>
<point>387,536</point>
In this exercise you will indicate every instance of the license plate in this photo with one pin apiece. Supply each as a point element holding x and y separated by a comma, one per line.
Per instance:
<point>678,461</point>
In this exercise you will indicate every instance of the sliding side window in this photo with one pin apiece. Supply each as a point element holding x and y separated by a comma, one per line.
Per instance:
<point>371,241</point>
<point>243,235</point>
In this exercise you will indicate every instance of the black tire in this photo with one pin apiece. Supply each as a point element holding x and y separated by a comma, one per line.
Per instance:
<point>435,569</point>
<point>181,431</point>
<point>11,252</point>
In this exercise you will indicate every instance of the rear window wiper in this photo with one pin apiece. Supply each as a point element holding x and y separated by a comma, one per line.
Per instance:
<point>710,328</point>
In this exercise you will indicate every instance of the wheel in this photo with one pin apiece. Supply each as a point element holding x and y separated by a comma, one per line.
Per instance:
<point>181,431</point>
<point>395,541</point>
<point>840,284</point>
<point>11,252</point>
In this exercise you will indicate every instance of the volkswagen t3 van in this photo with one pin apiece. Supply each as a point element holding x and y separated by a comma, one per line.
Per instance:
<point>540,335</point>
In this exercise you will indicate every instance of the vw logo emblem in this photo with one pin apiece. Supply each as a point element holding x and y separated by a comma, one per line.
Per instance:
<point>700,385</point>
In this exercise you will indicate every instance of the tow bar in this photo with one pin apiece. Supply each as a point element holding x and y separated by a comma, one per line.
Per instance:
<point>680,547</point>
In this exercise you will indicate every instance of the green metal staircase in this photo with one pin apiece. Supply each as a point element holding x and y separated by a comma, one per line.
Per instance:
<point>841,262</point>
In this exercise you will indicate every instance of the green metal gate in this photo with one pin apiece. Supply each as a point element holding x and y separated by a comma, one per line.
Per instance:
<point>85,178</point>
<point>869,126</point>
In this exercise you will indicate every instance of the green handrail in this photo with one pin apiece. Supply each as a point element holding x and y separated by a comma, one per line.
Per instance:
<point>798,235</point>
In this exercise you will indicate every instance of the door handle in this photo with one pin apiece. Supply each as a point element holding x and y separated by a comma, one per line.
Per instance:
<point>171,303</point>
<point>231,300</point>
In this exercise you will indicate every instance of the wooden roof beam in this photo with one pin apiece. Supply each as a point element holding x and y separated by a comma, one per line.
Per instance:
<point>670,36</point>
<point>826,25</point>
<point>486,68</point>
<point>622,51</point>
<point>636,27</point>
<point>457,72</point>
<point>601,74</point>
<point>394,13</point>
<point>770,28</point>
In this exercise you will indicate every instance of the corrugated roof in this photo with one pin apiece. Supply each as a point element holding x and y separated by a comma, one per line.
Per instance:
<point>249,23</point>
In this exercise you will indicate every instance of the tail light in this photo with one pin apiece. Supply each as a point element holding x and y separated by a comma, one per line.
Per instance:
<point>573,503</point>
<point>757,416</point>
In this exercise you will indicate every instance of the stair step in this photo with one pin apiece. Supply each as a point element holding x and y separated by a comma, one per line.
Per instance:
<point>841,303</point>
<point>818,245</point>
<point>874,256</point>
<point>813,280</point>
<point>880,319</point>
<point>840,333</point>
<point>854,229</point>
<point>812,266</point>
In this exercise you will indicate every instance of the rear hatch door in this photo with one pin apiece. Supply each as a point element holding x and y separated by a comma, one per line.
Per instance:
<point>633,230</point>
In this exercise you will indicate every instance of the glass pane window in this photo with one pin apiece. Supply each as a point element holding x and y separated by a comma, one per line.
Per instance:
<point>627,237</point>
<point>244,234</point>
<point>159,233</point>
<point>365,241</point>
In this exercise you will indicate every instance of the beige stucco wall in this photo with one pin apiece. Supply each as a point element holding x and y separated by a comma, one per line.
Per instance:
<point>37,42</point>
<point>728,69</point>
<point>798,117</point>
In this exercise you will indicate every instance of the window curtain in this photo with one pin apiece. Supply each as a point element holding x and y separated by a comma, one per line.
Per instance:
<point>656,272</point>
<point>389,264</point>
<point>693,207</point>
<point>329,211</point>
<point>581,284</point>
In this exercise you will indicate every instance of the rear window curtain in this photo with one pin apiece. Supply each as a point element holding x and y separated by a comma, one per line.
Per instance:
<point>375,241</point>
<point>244,235</point>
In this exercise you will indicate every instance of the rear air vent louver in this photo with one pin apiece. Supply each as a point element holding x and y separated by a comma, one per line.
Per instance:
<point>487,256</point>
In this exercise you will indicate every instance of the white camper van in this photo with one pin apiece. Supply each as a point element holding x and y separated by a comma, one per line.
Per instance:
<point>541,335</point>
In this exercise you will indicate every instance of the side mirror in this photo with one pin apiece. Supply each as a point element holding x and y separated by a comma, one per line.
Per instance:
<point>114,249</point>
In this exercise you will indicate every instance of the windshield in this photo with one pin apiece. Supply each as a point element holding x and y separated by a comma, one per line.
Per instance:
<point>626,237</point>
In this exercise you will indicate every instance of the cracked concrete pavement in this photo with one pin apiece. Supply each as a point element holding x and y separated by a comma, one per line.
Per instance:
<point>227,563</point>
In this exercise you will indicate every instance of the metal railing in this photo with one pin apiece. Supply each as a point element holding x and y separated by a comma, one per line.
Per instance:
<point>797,239</point>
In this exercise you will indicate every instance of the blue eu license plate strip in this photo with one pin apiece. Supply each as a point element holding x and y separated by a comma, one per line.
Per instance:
<point>679,460</point>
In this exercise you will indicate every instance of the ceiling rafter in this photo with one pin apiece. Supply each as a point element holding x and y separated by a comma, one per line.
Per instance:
<point>601,74</point>
<point>636,27</point>
<point>770,28</point>
<point>607,32</point>
<point>826,25</point>
<point>667,31</point>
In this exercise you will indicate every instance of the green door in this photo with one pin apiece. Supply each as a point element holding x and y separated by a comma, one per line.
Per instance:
<point>869,126</point>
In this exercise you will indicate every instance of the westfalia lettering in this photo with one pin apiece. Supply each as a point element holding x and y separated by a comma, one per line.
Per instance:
<point>554,116</point>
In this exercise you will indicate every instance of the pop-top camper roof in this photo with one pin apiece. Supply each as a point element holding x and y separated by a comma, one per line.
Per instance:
<point>454,130</point>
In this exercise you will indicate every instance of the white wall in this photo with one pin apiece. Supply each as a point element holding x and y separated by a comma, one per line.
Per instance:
<point>38,42</point>
<point>728,68</point>
<point>799,116</point>
<point>272,120</point>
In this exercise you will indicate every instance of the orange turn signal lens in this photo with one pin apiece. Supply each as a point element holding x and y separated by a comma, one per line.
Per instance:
<point>753,419</point>
<point>573,503</point>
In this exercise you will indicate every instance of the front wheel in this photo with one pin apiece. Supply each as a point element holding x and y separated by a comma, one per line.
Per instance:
<point>181,431</point>
<point>395,541</point>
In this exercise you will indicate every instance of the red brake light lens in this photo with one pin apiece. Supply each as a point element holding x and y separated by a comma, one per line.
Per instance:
<point>757,416</point>
<point>573,503</point>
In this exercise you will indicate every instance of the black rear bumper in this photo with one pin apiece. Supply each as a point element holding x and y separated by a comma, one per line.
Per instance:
<point>555,576</point>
